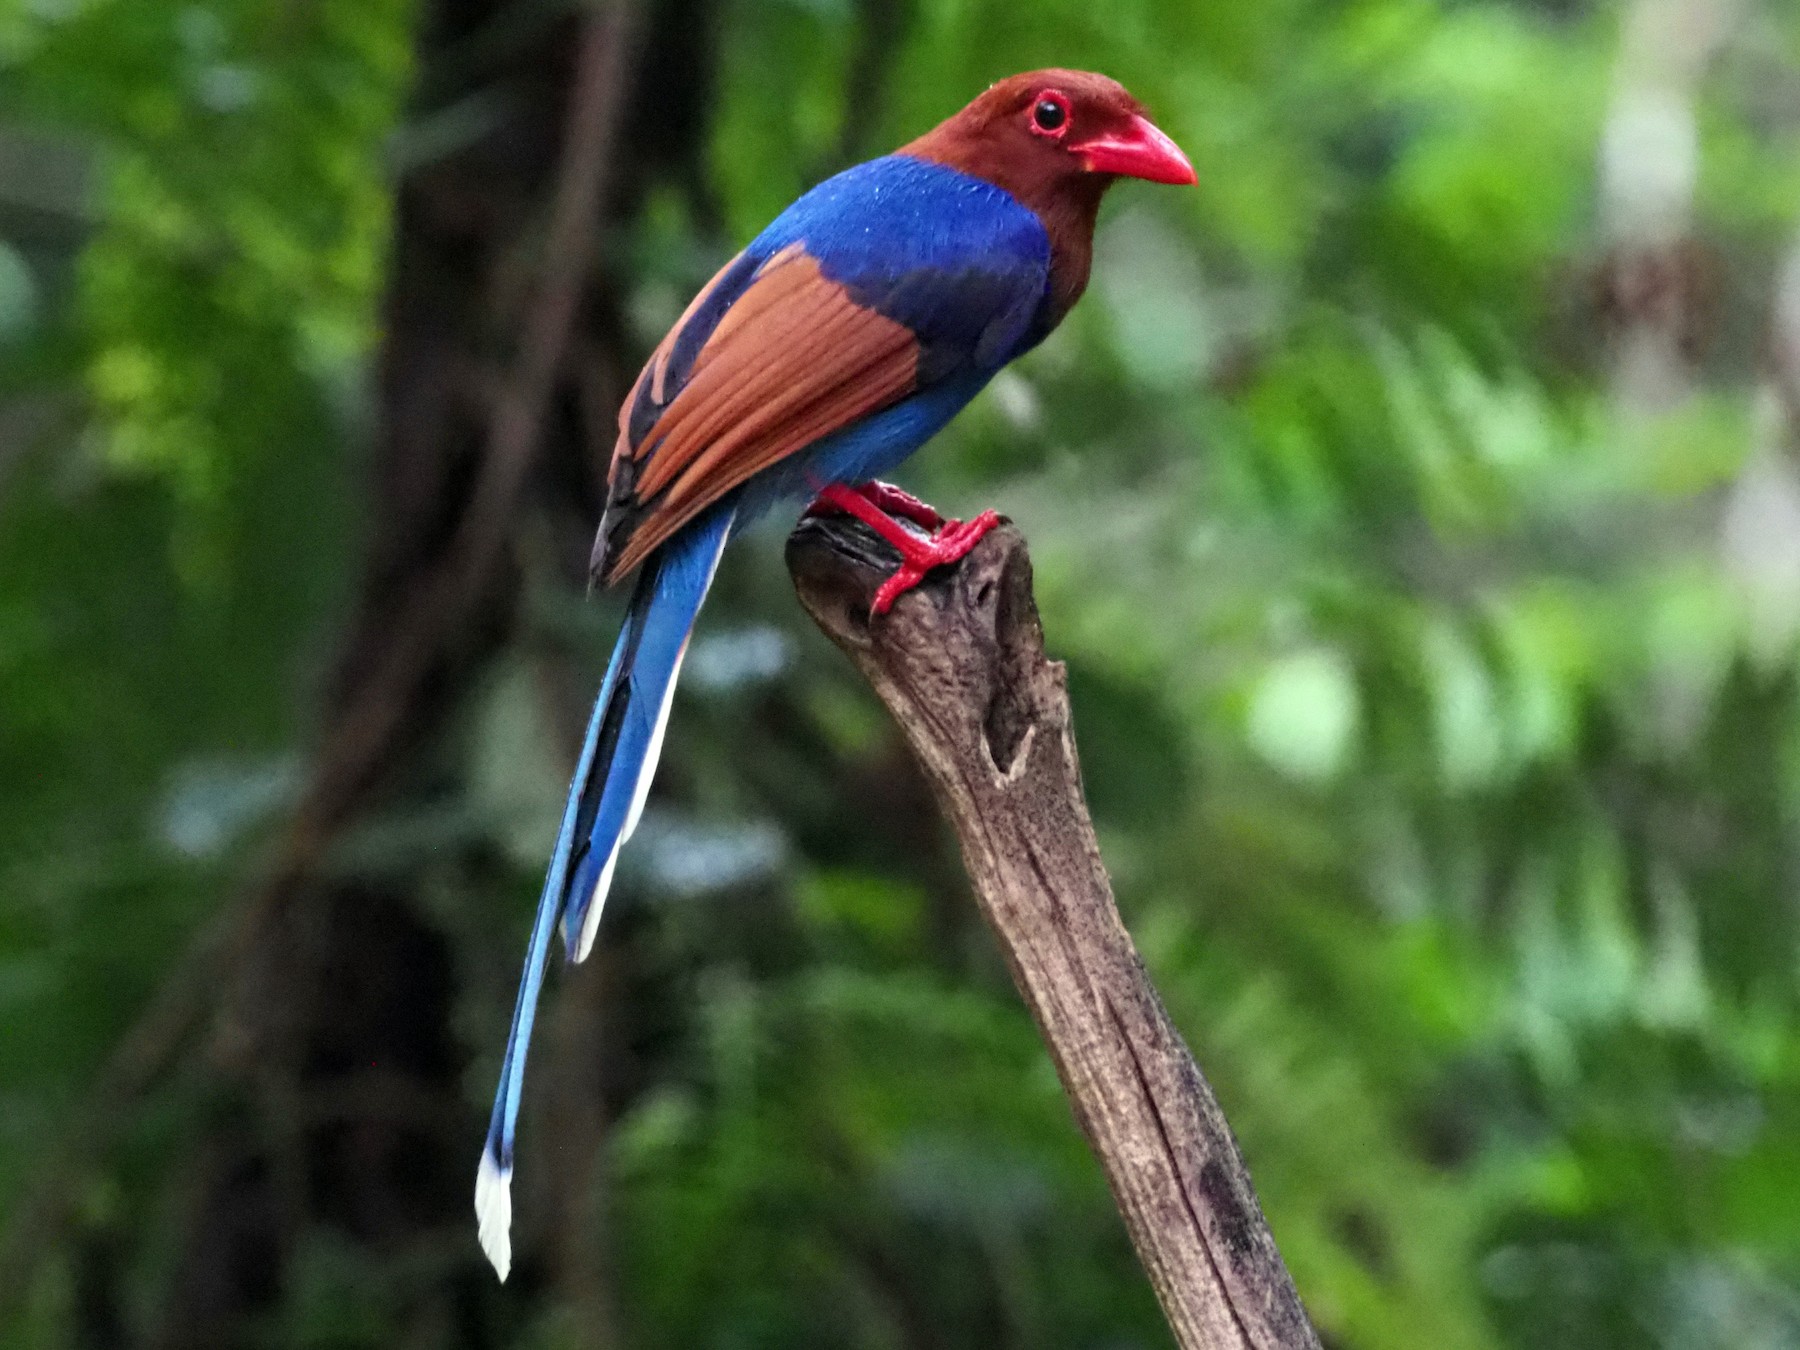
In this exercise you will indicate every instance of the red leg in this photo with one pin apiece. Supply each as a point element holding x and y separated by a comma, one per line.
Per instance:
<point>899,502</point>
<point>893,501</point>
<point>917,556</point>
<point>853,502</point>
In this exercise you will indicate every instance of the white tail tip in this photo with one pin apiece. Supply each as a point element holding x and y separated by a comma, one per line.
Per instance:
<point>493,1213</point>
<point>590,922</point>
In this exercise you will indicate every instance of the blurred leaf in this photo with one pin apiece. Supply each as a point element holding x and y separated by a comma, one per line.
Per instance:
<point>1303,715</point>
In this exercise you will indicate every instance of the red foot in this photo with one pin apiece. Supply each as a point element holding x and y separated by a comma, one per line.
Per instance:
<point>951,542</point>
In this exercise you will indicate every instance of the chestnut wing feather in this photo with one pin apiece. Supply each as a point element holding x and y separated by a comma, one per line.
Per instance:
<point>791,359</point>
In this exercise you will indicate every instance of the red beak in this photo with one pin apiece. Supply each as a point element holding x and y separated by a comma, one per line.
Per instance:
<point>1140,150</point>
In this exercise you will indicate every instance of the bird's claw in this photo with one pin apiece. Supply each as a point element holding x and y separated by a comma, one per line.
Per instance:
<point>877,505</point>
<point>950,544</point>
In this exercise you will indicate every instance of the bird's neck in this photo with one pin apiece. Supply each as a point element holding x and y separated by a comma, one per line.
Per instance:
<point>1068,204</point>
<point>1069,217</point>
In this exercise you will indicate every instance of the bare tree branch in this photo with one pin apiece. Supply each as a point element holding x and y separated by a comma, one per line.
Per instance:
<point>960,664</point>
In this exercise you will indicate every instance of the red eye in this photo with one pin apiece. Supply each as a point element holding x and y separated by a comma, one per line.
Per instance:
<point>1050,114</point>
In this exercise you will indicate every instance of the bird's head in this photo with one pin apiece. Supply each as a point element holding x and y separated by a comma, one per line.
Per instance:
<point>1056,131</point>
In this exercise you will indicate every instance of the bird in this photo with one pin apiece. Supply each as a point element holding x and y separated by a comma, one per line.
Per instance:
<point>840,340</point>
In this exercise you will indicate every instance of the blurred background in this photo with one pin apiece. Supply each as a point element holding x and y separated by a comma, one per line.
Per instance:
<point>1416,504</point>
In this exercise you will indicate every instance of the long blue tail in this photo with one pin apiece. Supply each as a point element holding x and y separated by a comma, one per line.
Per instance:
<point>612,777</point>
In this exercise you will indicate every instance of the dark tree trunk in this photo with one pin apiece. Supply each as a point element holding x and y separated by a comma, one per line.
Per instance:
<point>345,1111</point>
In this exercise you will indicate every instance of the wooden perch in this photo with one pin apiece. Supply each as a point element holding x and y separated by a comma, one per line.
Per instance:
<point>960,664</point>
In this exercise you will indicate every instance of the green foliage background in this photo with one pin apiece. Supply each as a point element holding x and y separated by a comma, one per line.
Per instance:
<point>1445,750</point>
